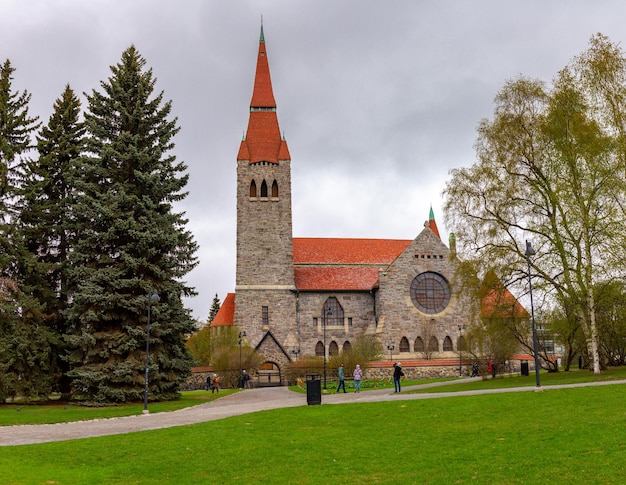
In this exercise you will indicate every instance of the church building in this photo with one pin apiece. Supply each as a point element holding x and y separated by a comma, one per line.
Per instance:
<point>298,296</point>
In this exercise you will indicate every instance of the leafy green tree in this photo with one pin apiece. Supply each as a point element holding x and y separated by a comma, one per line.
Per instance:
<point>551,169</point>
<point>365,349</point>
<point>225,355</point>
<point>131,241</point>
<point>611,313</point>
<point>199,346</point>
<point>45,194</point>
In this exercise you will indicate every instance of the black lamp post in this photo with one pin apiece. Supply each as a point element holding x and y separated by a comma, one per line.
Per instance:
<point>461,327</point>
<point>327,315</point>
<point>153,298</point>
<point>390,349</point>
<point>295,353</point>
<point>531,252</point>
<point>241,336</point>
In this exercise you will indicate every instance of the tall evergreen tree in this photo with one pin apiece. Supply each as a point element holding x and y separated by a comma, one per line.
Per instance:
<point>215,307</point>
<point>131,242</point>
<point>45,225</point>
<point>17,339</point>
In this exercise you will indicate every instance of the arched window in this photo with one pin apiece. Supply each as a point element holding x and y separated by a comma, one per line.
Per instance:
<point>253,189</point>
<point>404,345</point>
<point>319,349</point>
<point>419,345</point>
<point>332,312</point>
<point>264,189</point>
<point>433,344</point>
<point>333,348</point>
<point>347,346</point>
<point>447,344</point>
<point>274,189</point>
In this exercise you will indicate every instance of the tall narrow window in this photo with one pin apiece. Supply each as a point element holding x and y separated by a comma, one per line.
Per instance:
<point>404,345</point>
<point>333,348</point>
<point>332,312</point>
<point>264,189</point>
<point>447,344</point>
<point>319,349</point>
<point>265,316</point>
<point>419,345</point>
<point>274,189</point>
<point>253,189</point>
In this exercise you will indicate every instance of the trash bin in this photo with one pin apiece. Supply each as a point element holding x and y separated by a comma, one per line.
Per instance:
<point>524,368</point>
<point>313,389</point>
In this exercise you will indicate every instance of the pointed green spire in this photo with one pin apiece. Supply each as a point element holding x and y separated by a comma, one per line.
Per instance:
<point>431,216</point>
<point>262,40</point>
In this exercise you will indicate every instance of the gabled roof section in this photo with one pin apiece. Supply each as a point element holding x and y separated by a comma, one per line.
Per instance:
<point>269,340</point>
<point>496,301</point>
<point>226,314</point>
<point>263,142</point>
<point>336,264</point>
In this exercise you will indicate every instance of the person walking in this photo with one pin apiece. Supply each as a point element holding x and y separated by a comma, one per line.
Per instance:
<point>397,375</point>
<point>357,375</point>
<point>216,384</point>
<point>341,378</point>
<point>246,379</point>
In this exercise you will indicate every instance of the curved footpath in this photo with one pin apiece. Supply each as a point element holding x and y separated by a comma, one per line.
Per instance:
<point>244,402</point>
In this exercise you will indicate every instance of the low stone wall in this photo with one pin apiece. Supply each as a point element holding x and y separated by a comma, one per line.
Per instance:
<point>380,370</point>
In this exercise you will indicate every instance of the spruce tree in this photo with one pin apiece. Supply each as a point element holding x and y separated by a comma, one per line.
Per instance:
<point>215,307</point>
<point>131,241</point>
<point>45,195</point>
<point>19,353</point>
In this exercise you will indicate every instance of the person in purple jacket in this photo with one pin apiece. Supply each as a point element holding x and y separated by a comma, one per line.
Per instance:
<point>357,375</point>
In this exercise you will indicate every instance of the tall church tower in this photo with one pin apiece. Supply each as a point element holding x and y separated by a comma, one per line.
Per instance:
<point>265,272</point>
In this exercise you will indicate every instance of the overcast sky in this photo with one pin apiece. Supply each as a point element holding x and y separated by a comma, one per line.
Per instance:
<point>378,100</point>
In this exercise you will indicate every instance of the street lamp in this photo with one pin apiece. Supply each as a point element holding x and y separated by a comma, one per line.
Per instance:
<point>327,315</point>
<point>153,298</point>
<point>531,252</point>
<point>241,336</point>
<point>390,349</point>
<point>295,353</point>
<point>461,327</point>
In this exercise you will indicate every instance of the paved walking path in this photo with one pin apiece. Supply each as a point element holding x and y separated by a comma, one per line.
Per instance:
<point>248,401</point>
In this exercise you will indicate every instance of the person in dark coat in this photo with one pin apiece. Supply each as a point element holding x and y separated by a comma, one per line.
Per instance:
<point>341,378</point>
<point>397,375</point>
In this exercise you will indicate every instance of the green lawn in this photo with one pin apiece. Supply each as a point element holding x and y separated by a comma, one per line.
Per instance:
<point>54,412</point>
<point>560,436</point>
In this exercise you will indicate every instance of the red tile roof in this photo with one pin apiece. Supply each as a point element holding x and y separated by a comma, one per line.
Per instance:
<point>335,264</point>
<point>263,142</point>
<point>497,301</point>
<point>347,251</point>
<point>311,278</point>
<point>226,313</point>
<point>262,94</point>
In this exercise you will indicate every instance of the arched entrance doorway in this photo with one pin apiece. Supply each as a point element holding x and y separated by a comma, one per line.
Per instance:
<point>269,375</point>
